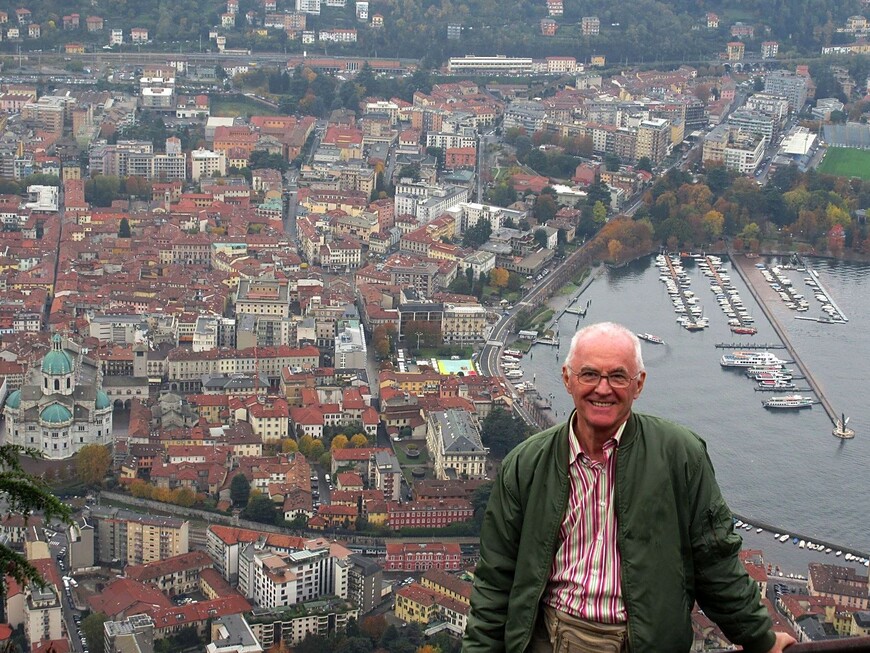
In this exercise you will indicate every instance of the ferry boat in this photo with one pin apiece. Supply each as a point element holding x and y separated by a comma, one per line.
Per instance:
<point>513,374</point>
<point>651,338</point>
<point>771,376</point>
<point>750,359</point>
<point>789,401</point>
<point>515,353</point>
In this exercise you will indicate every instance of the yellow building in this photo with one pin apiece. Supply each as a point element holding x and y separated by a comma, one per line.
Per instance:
<point>416,604</point>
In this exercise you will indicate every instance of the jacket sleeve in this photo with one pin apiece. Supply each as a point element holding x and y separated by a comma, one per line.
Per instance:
<point>724,589</point>
<point>494,576</point>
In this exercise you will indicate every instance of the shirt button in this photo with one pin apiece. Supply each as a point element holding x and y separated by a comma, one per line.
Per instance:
<point>602,504</point>
<point>600,538</point>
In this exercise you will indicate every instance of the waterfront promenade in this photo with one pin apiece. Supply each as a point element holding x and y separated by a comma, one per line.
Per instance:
<point>765,297</point>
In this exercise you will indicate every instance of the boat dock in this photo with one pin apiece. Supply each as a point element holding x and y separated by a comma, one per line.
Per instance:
<point>821,288</point>
<point>745,345</point>
<point>745,268</point>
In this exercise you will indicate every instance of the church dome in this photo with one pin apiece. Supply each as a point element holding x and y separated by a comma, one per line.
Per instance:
<point>14,399</point>
<point>103,400</point>
<point>55,414</point>
<point>57,361</point>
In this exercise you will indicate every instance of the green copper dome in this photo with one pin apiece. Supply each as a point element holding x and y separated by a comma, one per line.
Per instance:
<point>103,400</point>
<point>57,361</point>
<point>55,414</point>
<point>14,399</point>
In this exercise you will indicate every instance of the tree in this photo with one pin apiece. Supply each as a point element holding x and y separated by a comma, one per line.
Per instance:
<point>92,463</point>
<point>501,432</point>
<point>540,236</point>
<point>599,213</point>
<point>499,277</point>
<point>25,494</point>
<point>478,234</point>
<point>545,208</point>
<point>644,163</point>
<point>289,445</point>
<point>92,629</point>
<point>260,509</point>
<point>240,490</point>
<point>339,442</point>
<point>359,441</point>
<point>124,228</point>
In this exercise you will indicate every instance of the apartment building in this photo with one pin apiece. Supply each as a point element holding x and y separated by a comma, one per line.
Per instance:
<point>274,579</point>
<point>652,139</point>
<point>788,85</point>
<point>134,538</point>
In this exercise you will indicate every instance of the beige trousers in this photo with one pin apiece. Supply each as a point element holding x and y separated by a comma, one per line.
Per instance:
<point>559,632</point>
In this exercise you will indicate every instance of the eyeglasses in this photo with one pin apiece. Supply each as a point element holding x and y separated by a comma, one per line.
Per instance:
<point>593,377</point>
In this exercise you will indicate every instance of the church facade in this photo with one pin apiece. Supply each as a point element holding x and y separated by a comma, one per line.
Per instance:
<point>61,406</point>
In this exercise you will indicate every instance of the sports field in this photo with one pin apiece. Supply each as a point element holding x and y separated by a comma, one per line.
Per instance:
<point>846,162</point>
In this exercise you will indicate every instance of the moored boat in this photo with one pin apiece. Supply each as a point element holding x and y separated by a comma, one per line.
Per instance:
<point>789,401</point>
<point>651,338</point>
<point>744,330</point>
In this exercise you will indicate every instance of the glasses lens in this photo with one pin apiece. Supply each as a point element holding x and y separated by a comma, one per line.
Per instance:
<point>619,380</point>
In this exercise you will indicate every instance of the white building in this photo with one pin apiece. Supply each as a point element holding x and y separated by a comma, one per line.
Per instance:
<point>499,63</point>
<point>350,348</point>
<point>43,199</point>
<point>116,37</point>
<point>280,579</point>
<point>308,7</point>
<point>205,163</point>
<point>61,406</point>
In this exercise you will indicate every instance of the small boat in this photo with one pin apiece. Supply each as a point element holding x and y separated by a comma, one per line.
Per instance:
<point>744,330</point>
<point>776,536</point>
<point>838,553</point>
<point>738,524</point>
<point>828,550</point>
<point>651,338</point>
<point>841,430</point>
<point>783,538</point>
<point>802,544</point>
<point>758,530</point>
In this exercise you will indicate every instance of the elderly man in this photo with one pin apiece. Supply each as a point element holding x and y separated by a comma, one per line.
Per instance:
<point>601,533</point>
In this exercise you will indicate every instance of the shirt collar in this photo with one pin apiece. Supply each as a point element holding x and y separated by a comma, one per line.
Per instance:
<point>574,449</point>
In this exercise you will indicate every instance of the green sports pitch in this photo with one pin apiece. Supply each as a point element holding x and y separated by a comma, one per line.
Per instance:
<point>846,162</point>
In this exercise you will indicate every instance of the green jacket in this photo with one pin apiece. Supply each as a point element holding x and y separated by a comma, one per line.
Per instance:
<point>674,531</point>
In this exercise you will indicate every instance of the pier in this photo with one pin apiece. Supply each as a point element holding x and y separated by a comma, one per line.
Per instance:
<point>745,268</point>
<point>745,345</point>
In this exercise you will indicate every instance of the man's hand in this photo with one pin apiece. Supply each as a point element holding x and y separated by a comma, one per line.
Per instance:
<point>782,641</point>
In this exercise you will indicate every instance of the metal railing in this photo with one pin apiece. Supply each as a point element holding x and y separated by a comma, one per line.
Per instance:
<point>853,644</point>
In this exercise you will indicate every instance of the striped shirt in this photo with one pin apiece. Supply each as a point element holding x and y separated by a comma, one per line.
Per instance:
<point>585,576</point>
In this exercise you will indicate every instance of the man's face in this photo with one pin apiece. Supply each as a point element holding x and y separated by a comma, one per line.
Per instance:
<point>602,408</point>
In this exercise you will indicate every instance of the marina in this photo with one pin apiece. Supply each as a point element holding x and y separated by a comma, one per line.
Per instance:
<point>741,264</point>
<point>765,459</point>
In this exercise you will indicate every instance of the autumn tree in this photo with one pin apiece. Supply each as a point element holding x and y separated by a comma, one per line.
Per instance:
<point>340,441</point>
<point>359,441</point>
<point>498,278</point>
<point>289,445</point>
<point>92,463</point>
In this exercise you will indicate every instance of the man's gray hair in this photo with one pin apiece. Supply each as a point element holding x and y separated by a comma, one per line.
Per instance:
<point>607,329</point>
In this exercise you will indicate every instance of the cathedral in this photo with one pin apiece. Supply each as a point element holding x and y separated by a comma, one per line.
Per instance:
<point>61,405</point>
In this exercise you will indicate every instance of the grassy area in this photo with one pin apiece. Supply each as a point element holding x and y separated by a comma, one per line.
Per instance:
<point>231,107</point>
<point>405,461</point>
<point>568,289</point>
<point>846,162</point>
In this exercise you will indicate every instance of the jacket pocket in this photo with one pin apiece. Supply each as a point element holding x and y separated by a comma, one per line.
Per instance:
<point>719,529</point>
